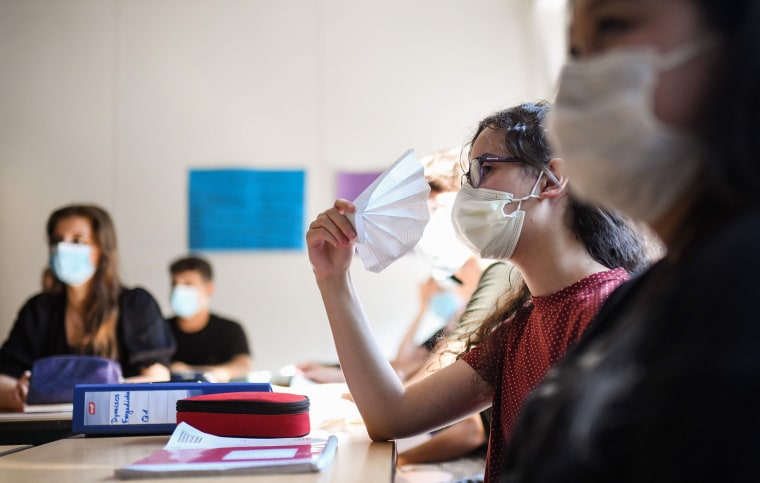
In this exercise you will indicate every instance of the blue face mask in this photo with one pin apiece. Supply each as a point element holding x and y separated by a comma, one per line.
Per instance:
<point>444,304</point>
<point>185,301</point>
<point>71,263</point>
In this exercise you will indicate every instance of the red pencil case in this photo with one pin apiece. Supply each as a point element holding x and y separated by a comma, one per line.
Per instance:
<point>247,414</point>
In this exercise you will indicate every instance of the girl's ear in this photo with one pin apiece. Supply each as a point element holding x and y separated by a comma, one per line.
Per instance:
<point>550,189</point>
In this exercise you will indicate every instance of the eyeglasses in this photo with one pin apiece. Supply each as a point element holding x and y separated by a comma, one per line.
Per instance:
<point>475,174</point>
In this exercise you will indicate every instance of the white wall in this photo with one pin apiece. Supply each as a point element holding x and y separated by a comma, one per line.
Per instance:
<point>112,102</point>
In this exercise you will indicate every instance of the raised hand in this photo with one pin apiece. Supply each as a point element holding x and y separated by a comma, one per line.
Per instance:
<point>330,241</point>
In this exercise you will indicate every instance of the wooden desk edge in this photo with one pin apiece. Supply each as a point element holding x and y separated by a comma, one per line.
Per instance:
<point>6,449</point>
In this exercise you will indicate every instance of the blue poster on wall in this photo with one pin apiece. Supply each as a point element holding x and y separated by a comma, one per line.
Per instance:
<point>246,209</point>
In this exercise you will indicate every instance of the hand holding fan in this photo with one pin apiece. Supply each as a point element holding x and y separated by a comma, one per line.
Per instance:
<point>391,213</point>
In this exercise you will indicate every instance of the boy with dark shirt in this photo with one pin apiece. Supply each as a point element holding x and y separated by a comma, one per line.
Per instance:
<point>206,343</point>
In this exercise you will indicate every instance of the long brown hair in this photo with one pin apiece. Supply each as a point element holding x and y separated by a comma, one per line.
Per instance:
<point>101,307</point>
<point>609,238</point>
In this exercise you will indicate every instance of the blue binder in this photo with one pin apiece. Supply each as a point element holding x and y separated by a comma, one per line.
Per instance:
<point>149,408</point>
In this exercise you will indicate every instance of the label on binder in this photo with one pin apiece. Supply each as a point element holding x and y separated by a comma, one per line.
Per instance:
<point>140,408</point>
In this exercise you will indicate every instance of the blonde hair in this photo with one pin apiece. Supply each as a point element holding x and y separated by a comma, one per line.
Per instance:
<point>443,171</point>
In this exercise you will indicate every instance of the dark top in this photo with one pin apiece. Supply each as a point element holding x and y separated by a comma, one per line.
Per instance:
<point>217,343</point>
<point>665,386</point>
<point>39,331</point>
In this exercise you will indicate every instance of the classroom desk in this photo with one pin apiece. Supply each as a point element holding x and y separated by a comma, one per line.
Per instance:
<point>12,448</point>
<point>95,459</point>
<point>80,458</point>
<point>34,428</point>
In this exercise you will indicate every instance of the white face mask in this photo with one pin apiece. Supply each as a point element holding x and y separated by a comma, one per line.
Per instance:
<point>619,155</point>
<point>481,223</point>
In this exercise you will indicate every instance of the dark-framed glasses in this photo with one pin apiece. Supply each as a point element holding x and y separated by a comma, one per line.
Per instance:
<point>475,174</point>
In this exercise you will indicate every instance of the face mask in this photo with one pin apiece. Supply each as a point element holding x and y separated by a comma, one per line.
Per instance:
<point>71,263</point>
<point>481,223</point>
<point>185,301</point>
<point>444,304</point>
<point>619,155</point>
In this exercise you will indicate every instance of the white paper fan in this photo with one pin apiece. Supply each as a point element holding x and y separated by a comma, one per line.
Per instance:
<point>391,213</point>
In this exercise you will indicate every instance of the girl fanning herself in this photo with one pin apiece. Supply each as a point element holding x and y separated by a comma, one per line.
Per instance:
<point>516,205</point>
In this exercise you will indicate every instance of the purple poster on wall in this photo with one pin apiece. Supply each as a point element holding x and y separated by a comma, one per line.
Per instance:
<point>350,185</point>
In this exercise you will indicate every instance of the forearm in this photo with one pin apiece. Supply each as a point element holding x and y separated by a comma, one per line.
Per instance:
<point>238,367</point>
<point>455,441</point>
<point>374,385</point>
<point>412,364</point>
<point>10,398</point>
<point>406,348</point>
<point>154,373</point>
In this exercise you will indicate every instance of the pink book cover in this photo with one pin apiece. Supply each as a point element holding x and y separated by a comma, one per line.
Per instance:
<point>307,456</point>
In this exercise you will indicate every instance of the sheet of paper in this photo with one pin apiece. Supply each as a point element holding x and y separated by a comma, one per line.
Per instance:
<point>49,408</point>
<point>188,437</point>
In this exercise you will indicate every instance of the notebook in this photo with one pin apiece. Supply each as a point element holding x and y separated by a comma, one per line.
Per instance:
<point>191,452</point>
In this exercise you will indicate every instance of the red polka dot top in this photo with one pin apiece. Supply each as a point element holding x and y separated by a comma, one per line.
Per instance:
<point>518,353</point>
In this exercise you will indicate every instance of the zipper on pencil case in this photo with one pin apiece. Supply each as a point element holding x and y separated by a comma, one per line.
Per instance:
<point>243,407</point>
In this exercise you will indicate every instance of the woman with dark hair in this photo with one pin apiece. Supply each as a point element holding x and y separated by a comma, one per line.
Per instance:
<point>609,238</point>
<point>93,314</point>
<point>515,205</point>
<point>656,116</point>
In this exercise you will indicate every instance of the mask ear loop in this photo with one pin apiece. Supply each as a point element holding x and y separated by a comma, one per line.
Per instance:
<point>685,53</point>
<point>550,176</point>
<point>532,193</point>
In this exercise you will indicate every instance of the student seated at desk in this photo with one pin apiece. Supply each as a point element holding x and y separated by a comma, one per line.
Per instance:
<point>517,205</point>
<point>92,314</point>
<point>206,343</point>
